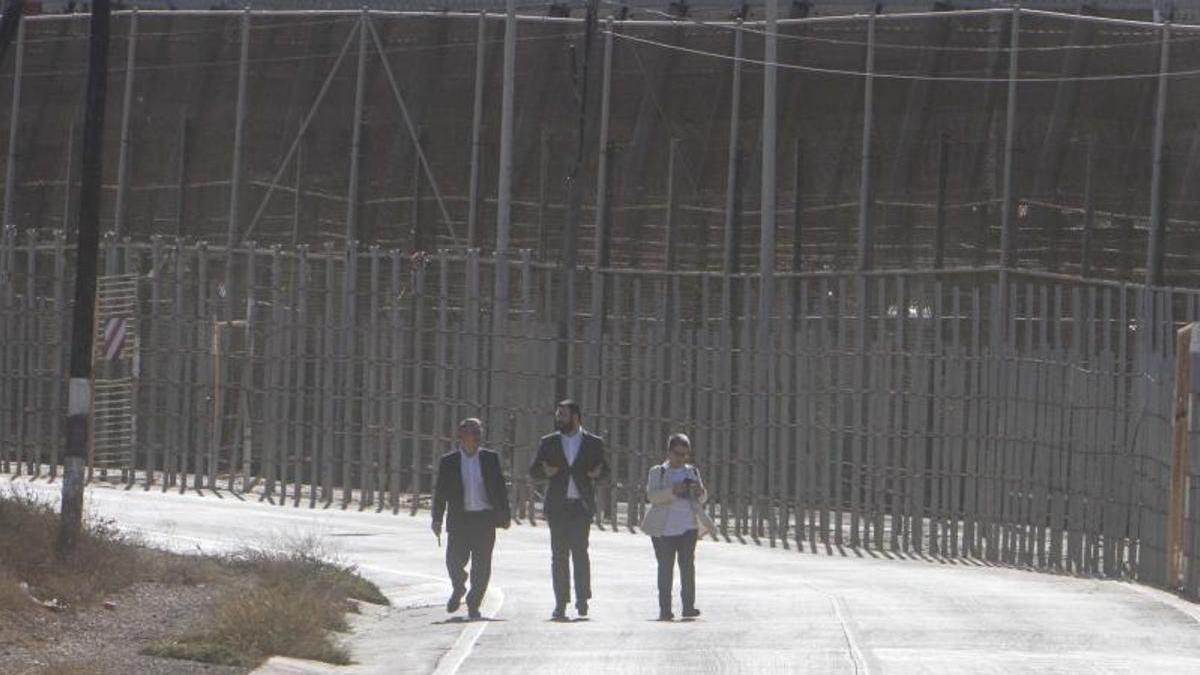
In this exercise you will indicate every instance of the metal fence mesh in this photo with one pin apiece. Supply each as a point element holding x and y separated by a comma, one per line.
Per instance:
<point>1085,88</point>
<point>1017,417</point>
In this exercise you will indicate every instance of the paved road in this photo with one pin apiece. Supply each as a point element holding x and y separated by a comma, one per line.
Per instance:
<point>765,610</point>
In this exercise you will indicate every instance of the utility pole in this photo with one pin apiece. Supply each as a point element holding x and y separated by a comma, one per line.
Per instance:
<point>79,403</point>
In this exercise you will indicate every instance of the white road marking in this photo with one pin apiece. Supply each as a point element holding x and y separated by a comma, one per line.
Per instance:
<point>452,660</point>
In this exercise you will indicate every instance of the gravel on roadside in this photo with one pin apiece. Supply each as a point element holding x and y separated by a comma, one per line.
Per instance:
<point>100,641</point>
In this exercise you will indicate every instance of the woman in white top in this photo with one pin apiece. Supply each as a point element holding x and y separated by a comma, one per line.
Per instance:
<point>674,522</point>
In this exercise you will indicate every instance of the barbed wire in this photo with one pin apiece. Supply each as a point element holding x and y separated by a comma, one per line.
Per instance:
<point>858,43</point>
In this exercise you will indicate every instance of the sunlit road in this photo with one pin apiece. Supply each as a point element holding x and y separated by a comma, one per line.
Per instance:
<point>764,609</point>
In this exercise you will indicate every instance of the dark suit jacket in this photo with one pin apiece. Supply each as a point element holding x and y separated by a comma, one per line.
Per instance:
<point>448,491</point>
<point>591,455</point>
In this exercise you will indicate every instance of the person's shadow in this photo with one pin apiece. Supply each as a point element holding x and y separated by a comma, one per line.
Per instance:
<point>465,619</point>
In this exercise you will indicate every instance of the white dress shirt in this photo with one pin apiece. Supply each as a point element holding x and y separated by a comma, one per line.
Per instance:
<point>571,444</point>
<point>474,493</point>
<point>680,518</point>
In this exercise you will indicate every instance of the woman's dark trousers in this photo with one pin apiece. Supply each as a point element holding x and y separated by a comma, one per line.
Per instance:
<point>666,549</point>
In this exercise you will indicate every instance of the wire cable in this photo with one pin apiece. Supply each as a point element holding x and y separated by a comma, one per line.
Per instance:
<point>900,76</point>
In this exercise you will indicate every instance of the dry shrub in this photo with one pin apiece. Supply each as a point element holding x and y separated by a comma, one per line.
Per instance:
<point>299,597</point>
<point>306,561</point>
<point>105,560</point>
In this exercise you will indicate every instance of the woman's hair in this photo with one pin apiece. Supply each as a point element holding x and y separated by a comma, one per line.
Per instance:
<point>678,439</point>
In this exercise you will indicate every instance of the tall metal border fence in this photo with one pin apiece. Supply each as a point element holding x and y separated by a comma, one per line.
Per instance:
<point>1010,416</point>
<point>1085,93</point>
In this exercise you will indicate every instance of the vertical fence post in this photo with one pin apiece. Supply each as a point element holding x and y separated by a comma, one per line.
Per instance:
<point>14,120</point>
<point>1008,234</point>
<point>1089,211</point>
<point>297,200</point>
<point>355,146</point>
<point>181,173</point>
<point>418,228</point>
<point>733,182</point>
<point>68,184</point>
<point>126,110</point>
<point>602,204</point>
<point>476,132</point>
<point>766,255</point>
<point>939,236</point>
<point>1187,347</point>
<point>866,241</point>
<point>798,206</point>
<point>504,189</point>
<point>235,177</point>
<point>1154,249</point>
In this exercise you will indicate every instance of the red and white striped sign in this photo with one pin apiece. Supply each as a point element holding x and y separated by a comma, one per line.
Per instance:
<point>114,338</point>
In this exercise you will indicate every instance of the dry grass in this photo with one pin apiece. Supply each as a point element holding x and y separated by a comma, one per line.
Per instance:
<point>104,562</point>
<point>12,598</point>
<point>298,600</point>
<point>286,601</point>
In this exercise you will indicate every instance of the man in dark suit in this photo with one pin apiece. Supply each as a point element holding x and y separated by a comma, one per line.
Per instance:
<point>573,461</point>
<point>471,493</point>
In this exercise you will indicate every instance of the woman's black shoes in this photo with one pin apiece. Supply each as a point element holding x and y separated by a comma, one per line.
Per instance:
<point>691,613</point>
<point>666,616</point>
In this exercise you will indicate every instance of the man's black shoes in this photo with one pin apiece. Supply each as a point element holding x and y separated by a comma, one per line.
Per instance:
<point>473,613</point>
<point>582,608</point>
<point>691,613</point>
<point>560,614</point>
<point>666,615</point>
<point>454,602</point>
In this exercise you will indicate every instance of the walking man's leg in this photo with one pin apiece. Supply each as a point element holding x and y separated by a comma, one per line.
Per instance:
<point>482,543</point>
<point>581,526</point>
<point>458,552</point>
<point>560,550</point>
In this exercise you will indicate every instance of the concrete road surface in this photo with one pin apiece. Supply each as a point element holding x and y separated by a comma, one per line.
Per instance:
<point>764,610</point>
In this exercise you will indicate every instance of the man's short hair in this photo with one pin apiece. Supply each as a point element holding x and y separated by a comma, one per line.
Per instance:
<point>570,405</point>
<point>473,423</point>
<point>678,439</point>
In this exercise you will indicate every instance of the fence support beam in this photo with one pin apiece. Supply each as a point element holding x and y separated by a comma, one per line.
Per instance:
<point>476,133</point>
<point>866,238</point>
<point>1154,248</point>
<point>1008,235</point>
<point>14,125</point>
<point>126,111</point>
<point>356,143</point>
